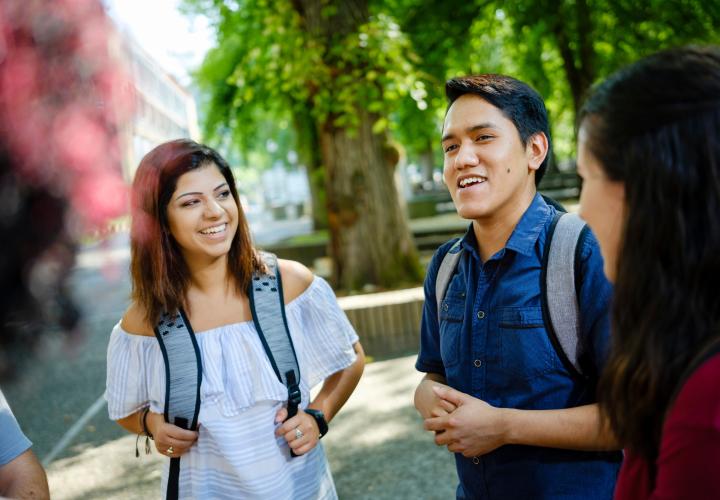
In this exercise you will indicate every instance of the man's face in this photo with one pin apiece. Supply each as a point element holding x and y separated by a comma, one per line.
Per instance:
<point>487,168</point>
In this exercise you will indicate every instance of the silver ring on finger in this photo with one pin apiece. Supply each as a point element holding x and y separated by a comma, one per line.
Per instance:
<point>298,433</point>
<point>170,450</point>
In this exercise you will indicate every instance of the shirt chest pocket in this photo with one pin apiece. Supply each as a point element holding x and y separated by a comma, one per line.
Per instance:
<point>452,315</point>
<point>526,351</point>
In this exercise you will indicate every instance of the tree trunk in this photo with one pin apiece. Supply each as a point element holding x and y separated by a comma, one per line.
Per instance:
<point>369,234</point>
<point>370,240</point>
<point>579,67</point>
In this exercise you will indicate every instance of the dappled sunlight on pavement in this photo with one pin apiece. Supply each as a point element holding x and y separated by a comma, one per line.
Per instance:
<point>109,471</point>
<point>377,446</point>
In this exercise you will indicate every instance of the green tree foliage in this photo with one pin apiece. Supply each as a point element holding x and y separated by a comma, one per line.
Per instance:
<point>561,47</point>
<point>595,37</point>
<point>438,33</point>
<point>267,61</point>
<point>262,68</point>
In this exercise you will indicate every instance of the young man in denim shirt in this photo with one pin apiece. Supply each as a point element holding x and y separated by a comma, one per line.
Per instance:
<point>496,393</point>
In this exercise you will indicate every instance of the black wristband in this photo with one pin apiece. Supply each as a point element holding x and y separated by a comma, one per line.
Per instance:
<point>319,420</point>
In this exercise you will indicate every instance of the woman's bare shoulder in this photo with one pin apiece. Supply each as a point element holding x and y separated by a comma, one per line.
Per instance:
<point>135,323</point>
<point>296,278</point>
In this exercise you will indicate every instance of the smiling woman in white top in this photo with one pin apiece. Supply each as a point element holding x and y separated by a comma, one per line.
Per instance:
<point>191,250</point>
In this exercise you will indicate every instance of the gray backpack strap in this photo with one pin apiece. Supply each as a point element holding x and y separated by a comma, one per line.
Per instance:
<point>445,273</point>
<point>268,311</point>
<point>183,368</point>
<point>558,282</point>
<point>183,376</point>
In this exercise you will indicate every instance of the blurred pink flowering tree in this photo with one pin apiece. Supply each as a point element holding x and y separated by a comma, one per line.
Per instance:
<point>61,102</point>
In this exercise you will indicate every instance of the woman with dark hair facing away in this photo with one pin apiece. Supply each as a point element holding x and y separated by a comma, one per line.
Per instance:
<point>191,252</point>
<point>649,155</point>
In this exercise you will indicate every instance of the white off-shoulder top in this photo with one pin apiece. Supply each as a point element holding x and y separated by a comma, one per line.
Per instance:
<point>237,454</point>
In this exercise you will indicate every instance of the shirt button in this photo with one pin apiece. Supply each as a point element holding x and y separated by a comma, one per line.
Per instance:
<point>477,363</point>
<point>481,314</point>
<point>445,307</point>
<point>476,460</point>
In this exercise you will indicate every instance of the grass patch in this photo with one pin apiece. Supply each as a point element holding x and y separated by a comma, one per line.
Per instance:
<point>314,238</point>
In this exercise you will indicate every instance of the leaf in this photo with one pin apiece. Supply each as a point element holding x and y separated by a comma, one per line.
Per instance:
<point>380,125</point>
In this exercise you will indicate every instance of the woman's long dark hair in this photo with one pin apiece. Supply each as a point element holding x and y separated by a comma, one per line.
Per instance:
<point>655,126</point>
<point>160,277</point>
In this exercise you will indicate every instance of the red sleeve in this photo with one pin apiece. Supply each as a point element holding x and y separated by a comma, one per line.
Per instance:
<point>688,465</point>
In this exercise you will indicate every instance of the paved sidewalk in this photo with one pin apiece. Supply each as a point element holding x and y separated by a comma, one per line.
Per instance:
<point>376,447</point>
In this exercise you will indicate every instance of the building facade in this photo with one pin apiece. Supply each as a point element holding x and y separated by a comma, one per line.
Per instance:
<point>163,108</point>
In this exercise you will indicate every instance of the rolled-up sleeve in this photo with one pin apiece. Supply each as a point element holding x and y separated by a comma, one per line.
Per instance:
<point>13,442</point>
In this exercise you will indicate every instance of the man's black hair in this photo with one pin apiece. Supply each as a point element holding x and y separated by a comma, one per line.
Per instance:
<point>519,102</point>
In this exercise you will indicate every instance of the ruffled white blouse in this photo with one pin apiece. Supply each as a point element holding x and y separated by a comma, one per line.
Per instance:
<point>237,454</point>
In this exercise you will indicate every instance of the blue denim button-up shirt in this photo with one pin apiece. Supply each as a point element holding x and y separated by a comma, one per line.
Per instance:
<point>490,342</point>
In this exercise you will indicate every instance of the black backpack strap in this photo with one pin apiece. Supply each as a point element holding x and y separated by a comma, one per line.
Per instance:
<point>183,376</point>
<point>268,311</point>
<point>559,280</point>
<point>446,271</point>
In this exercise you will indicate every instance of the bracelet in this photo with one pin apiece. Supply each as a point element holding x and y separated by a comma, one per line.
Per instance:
<point>144,423</point>
<point>148,435</point>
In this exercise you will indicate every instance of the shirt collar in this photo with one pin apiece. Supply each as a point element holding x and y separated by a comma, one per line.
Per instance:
<point>526,232</point>
<point>469,242</point>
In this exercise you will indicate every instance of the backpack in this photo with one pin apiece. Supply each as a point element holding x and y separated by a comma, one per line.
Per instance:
<point>183,366</point>
<point>560,280</point>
